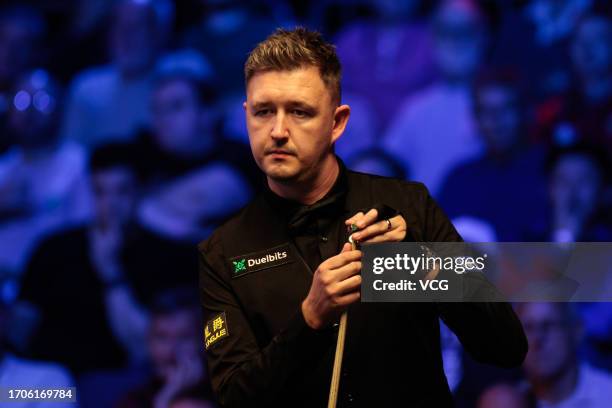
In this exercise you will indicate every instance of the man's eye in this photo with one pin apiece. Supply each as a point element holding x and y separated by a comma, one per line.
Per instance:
<point>263,112</point>
<point>300,113</point>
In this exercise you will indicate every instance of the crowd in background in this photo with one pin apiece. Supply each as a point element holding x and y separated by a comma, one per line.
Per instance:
<point>123,144</point>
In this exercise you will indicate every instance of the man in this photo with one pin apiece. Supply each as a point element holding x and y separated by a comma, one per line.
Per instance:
<point>275,278</point>
<point>19,373</point>
<point>586,104</point>
<point>43,183</point>
<point>174,352</point>
<point>578,176</point>
<point>92,283</point>
<point>557,376</point>
<point>434,129</point>
<point>486,186</point>
<point>185,158</point>
<point>21,31</point>
<point>109,103</point>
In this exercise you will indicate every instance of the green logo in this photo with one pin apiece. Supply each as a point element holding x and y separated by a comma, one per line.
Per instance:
<point>239,265</point>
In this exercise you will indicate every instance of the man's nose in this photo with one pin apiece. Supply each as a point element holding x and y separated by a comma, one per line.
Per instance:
<point>280,130</point>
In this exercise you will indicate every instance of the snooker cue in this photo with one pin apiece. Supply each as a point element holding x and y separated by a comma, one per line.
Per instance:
<point>335,381</point>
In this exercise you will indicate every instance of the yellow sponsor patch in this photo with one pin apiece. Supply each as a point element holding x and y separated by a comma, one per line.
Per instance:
<point>215,329</point>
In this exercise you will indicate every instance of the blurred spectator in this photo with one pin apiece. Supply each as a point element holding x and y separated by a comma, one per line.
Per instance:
<point>196,397</point>
<point>557,376</point>
<point>227,32</point>
<point>21,32</point>
<point>502,396</point>
<point>387,58</point>
<point>585,111</point>
<point>361,132</point>
<point>42,179</point>
<point>535,37</point>
<point>198,179</point>
<point>504,186</point>
<point>434,129</point>
<point>175,351</point>
<point>91,284</point>
<point>19,373</point>
<point>111,102</point>
<point>376,161</point>
<point>578,175</point>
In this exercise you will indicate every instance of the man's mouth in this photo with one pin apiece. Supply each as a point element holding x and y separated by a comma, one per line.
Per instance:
<point>279,153</point>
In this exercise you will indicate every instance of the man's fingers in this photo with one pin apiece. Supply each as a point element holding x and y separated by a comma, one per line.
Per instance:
<point>368,219</point>
<point>381,228</point>
<point>354,219</point>
<point>347,285</point>
<point>348,299</point>
<point>375,229</point>
<point>347,271</point>
<point>342,259</point>
<point>362,220</point>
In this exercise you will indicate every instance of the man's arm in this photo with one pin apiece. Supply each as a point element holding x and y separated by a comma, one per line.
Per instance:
<point>243,373</point>
<point>490,331</point>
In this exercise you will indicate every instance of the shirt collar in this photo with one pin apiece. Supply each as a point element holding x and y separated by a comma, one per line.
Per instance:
<point>299,216</point>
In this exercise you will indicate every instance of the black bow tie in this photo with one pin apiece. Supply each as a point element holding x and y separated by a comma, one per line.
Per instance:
<point>323,211</point>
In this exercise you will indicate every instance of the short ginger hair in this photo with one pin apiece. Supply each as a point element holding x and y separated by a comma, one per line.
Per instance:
<point>286,50</point>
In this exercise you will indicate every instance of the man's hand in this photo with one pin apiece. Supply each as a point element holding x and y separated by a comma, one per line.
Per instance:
<point>370,231</point>
<point>335,285</point>
<point>104,250</point>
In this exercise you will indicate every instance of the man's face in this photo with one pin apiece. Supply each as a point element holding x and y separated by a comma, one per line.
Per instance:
<point>551,337</point>
<point>591,48</point>
<point>576,185</point>
<point>173,337</point>
<point>292,122</point>
<point>177,116</point>
<point>133,37</point>
<point>459,39</point>
<point>498,117</point>
<point>114,194</point>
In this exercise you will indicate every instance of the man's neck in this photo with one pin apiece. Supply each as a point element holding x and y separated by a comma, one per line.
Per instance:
<point>312,190</point>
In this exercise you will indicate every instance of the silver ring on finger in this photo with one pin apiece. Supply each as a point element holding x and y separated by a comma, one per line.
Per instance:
<point>389,226</point>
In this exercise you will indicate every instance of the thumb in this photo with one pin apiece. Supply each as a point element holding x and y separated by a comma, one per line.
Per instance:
<point>346,247</point>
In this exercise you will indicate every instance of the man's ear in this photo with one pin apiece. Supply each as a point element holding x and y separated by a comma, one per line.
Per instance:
<point>341,117</point>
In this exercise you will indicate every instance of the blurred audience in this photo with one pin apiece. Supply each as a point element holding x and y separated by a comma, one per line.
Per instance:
<point>557,377</point>
<point>585,110</point>
<point>578,176</point>
<point>175,351</point>
<point>504,185</point>
<point>110,102</point>
<point>99,247</point>
<point>21,32</point>
<point>388,57</point>
<point>237,22</point>
<point>376,161</point>
<point>429,143</point>
<point>537,34</point>
<point>42,178</point>
<point>19,373</point>
<point>197,179</point>
<point>93,307</point>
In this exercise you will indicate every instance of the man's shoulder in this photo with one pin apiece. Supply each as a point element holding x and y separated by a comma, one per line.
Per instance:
<point>233,227</point>
<point>387,184</point>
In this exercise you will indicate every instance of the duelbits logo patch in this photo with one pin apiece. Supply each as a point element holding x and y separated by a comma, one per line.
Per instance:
<point>239,265</point>
<point>256,261</point>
